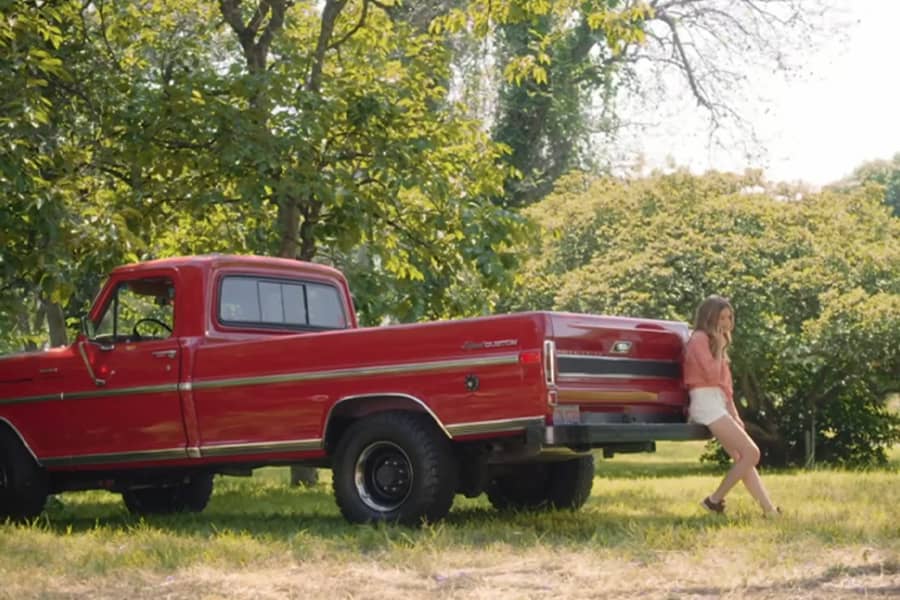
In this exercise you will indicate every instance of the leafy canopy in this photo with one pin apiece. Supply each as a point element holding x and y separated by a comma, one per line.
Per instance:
<point>815,281</point>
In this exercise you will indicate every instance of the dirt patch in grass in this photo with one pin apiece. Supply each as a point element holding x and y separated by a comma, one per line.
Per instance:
<point>846,573</point>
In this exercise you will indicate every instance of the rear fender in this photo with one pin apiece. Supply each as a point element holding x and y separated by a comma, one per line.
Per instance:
<point>5,425</point>
<point>350,408</point>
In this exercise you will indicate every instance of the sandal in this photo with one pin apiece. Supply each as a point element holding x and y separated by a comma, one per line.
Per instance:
<point>714,507</point>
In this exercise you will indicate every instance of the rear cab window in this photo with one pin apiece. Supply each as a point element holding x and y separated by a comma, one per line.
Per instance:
<point>264,302</point>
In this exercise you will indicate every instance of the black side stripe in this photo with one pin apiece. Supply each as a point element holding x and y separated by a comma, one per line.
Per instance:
<point>598,366</point>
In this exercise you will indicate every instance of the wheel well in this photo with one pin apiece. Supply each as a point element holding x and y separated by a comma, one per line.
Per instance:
<point>348,410</point>
<point>9,430</point>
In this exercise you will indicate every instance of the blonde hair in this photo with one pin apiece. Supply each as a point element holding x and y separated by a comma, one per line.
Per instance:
<point>706,318</point>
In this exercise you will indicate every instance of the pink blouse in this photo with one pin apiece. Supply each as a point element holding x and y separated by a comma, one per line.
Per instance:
<point>701,369</point>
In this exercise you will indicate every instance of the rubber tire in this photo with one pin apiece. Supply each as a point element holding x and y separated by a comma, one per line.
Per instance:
<point>544,486</point>
<point>571,483</point>
<point>434,468</point>
<point>23,484</point>
<point>521,487</point>
<point>190,496</point>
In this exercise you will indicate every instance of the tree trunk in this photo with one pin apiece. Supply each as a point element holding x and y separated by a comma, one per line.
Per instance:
<point>288,227</point>
<point>56,322</point>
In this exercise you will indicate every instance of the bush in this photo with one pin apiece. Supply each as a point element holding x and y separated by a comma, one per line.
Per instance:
<point>814,277</point>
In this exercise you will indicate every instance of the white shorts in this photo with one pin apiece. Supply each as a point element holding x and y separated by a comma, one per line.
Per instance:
<point>707,405</point>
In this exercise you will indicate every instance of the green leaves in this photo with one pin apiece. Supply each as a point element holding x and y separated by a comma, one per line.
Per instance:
<point>815,282</point>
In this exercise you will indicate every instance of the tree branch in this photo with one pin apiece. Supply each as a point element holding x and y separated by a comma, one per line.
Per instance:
<point>687,68</point>
<point>330,14</point>
<point>357,27</point>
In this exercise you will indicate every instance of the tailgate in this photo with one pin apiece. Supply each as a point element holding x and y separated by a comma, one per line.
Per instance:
<point>613,369</point>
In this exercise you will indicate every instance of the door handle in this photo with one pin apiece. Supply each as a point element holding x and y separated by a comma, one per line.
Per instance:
<point>165,354</point>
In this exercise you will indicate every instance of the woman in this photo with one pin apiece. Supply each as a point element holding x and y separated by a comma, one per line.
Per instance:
<point>707,374</point>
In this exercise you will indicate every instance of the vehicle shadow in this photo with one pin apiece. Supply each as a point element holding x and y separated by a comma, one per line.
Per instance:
<point>293,515</point>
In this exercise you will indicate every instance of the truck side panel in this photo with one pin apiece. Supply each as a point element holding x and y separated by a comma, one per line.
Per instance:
<point>279,392</point>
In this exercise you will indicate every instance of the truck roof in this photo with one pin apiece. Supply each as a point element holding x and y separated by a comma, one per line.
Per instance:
<point>214,261</point>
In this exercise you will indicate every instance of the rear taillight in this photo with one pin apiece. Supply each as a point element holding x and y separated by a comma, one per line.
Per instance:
<point>550,362</point>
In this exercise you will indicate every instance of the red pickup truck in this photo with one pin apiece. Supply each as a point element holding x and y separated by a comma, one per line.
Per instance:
<point>188,367</point>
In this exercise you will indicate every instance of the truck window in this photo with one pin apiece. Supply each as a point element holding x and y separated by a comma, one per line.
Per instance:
<point>245,300</point>
<point>139,310</point>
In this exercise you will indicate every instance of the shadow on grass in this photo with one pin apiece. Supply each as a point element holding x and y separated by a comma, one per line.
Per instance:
<point>297,518</point>
<point>610,469</point>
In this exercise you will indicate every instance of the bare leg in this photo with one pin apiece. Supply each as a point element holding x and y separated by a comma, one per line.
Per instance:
<point>738,444</point>
<point>754,485</point>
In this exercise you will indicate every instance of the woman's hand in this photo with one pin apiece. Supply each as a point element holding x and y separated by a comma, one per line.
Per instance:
<point>721,339</point>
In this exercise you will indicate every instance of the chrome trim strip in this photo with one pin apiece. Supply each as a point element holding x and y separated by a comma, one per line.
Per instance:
<point>504,359</point>
<point>193,452</point>
<point>375,395</point>
<point>21,439</point>
<point>496,426</point>
<point>261,447</point>
<point>115,457</point>
<point>27,399</point>
<point>437,365</point>
<point>145,389</point>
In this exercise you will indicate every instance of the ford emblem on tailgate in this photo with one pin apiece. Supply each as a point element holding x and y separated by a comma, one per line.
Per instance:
<point>621,347</point>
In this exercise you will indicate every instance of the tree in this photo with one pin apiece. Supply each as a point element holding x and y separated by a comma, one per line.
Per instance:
<point>815,282</point>
<point>561,69</point>
<point>335,121</point>
<point>154,129</point>
<point>54,220</point>
<point>884,173</point>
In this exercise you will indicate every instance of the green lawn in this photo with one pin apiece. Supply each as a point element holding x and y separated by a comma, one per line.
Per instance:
<point>643,514</point>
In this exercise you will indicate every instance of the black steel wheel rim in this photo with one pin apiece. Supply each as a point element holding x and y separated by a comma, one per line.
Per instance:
<point>383,476</point>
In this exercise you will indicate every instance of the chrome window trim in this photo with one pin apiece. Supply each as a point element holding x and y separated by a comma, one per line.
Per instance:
<point>280,279</point>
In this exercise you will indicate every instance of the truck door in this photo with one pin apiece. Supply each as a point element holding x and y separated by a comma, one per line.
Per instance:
<point>129,408</point>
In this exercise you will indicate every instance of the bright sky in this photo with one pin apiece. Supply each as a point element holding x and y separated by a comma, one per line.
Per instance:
<point>844,110</point>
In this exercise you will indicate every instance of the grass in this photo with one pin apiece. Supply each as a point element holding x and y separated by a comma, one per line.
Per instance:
<point>643,518</point>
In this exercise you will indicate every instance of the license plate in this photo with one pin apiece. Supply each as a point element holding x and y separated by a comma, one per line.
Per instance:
<point>566,414</point>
